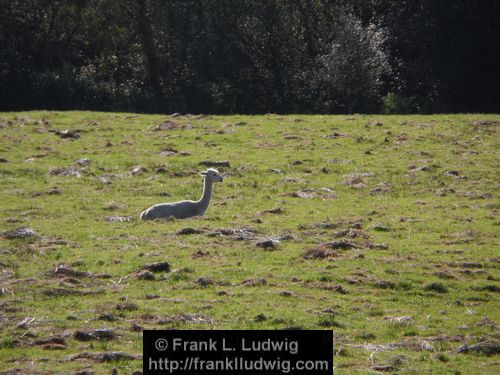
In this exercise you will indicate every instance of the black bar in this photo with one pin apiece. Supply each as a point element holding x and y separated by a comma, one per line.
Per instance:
<point>238,352</point>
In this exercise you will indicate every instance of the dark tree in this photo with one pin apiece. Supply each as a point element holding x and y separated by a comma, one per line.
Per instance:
<point>250,56</point>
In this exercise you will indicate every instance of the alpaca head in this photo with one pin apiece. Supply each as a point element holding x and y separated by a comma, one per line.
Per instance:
<point>213,175</point>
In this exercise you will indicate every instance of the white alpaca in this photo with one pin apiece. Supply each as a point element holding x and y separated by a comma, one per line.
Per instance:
<point>185,209</point>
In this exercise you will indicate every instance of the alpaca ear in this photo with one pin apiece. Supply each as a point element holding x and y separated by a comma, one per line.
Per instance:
<point>203,173</point>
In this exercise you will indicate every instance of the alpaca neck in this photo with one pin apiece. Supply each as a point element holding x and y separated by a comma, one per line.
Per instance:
<point>206,196</point>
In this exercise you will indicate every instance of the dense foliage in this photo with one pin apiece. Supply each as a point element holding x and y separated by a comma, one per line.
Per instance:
<point>250,56</point>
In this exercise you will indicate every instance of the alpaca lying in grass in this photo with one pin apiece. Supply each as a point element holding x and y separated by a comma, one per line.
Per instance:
<point>185,209</point>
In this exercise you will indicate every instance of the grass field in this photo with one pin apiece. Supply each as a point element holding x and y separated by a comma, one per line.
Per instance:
<point>384,227</point>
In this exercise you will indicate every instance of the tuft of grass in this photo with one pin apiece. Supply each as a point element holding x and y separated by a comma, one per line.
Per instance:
<point>404,285</point>
<point>442,357</point>
<point>329,322</point>
<point>436,287</point>
<point>7,342</point>
<point>488,288</point>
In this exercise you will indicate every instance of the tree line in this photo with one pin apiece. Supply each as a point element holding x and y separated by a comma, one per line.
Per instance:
<point>250,56</point>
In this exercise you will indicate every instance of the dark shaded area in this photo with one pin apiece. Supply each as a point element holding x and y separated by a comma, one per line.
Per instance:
<point>250,56</point>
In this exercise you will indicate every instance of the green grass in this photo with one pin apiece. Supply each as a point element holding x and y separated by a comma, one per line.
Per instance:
<point>439,267</point>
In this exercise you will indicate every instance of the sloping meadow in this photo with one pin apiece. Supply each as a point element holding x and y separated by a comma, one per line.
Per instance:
<point>380,228</point>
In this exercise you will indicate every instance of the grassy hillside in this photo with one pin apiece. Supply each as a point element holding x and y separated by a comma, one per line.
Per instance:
<point>384,231</point>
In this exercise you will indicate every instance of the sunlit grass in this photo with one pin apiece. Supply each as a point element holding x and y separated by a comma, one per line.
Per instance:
<point>436,261</point>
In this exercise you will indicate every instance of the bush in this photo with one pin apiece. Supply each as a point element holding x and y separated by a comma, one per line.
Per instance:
<point>396,104</point>
<point>350,70</point>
